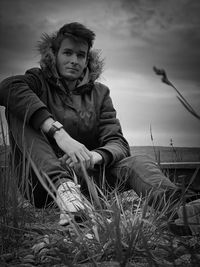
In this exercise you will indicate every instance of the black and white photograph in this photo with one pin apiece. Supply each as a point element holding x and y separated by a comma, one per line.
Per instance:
<point>99,133</point>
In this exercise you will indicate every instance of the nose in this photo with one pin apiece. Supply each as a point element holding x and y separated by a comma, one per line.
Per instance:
<point>74,59</point>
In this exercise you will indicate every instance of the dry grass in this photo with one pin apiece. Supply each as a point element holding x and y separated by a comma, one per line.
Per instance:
<point>122,231</point>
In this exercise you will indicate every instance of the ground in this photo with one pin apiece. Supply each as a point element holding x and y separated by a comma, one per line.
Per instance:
<point>33,237</point>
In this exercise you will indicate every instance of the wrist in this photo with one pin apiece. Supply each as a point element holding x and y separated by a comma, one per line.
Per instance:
<point>60,133</point>
<point>106,156</point>
<point>98,159</point>
<point>51,127</point>
<point>46,125</point>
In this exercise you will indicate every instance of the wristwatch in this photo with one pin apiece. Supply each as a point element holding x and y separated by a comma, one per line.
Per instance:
<point>56,126</point>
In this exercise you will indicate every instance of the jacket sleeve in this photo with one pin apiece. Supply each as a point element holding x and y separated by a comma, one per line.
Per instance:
<point>113,145</point>
<point>20,96</point>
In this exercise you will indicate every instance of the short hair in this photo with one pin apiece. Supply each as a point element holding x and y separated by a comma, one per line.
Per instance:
<point>75,31</point>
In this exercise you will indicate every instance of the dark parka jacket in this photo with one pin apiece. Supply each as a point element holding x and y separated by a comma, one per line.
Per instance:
<point>87,113</point>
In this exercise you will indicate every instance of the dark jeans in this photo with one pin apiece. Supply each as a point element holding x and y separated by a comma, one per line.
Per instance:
<point>138,172</point>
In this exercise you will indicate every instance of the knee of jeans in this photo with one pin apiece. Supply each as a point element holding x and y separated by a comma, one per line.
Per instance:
<point>141,159</point>
<point>146,169</point>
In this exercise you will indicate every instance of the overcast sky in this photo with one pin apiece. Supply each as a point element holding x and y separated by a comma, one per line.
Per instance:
<point>134,36</point>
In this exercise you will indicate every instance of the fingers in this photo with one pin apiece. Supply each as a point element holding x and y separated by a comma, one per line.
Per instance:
<point>75,152</point>
<point>84,159</point>
<point>63,159</point>
<point>76,159</point>
<point>88,160</point>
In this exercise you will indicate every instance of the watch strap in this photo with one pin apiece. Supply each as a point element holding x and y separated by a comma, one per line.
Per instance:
<point>56,126</point>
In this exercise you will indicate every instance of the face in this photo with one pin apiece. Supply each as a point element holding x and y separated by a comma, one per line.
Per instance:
<point>71,59</point>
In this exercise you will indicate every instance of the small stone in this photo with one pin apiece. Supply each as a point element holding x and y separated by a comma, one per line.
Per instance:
<point>37,247</point>
<point>183,259</point>
<point>28,259</point>
<point>43,251</point>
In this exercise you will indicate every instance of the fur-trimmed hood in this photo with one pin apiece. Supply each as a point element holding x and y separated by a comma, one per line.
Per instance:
<point>48,61</point>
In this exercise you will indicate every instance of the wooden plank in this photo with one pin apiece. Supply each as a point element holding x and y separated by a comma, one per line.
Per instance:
<point>180,165</point>
<point>169,154</point>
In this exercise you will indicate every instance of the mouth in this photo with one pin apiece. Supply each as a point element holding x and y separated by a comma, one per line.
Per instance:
<point>72,69</point>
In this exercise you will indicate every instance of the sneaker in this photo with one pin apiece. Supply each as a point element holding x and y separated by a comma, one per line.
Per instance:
<point>190,226</point>
<point>192,210</point>
<point>72,203</point>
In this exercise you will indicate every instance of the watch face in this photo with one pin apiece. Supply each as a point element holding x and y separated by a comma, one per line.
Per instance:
<point>57,124</point>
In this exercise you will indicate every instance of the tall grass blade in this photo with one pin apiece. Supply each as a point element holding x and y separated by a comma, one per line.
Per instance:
<point>181,98</point>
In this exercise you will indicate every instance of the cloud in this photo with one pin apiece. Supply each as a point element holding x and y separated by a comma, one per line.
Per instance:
<point>134,35</point>
<point>170,31</point>
<point>152,16</point>
<point>141,101</point>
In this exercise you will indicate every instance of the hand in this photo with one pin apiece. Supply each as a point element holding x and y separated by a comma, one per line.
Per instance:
<point>75,152</point>
<point>97,158</point>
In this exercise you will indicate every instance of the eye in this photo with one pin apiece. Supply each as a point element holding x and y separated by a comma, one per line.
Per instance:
<point>81,55</point>
<point>68,53</point>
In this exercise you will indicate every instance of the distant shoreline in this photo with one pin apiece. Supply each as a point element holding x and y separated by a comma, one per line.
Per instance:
<point>198,147</point>
<point>168,153</point>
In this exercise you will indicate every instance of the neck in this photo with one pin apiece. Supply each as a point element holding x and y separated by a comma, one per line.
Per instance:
<point>71,84</point>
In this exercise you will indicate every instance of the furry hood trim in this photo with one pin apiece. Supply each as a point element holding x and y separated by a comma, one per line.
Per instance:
<point>48,61</point>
